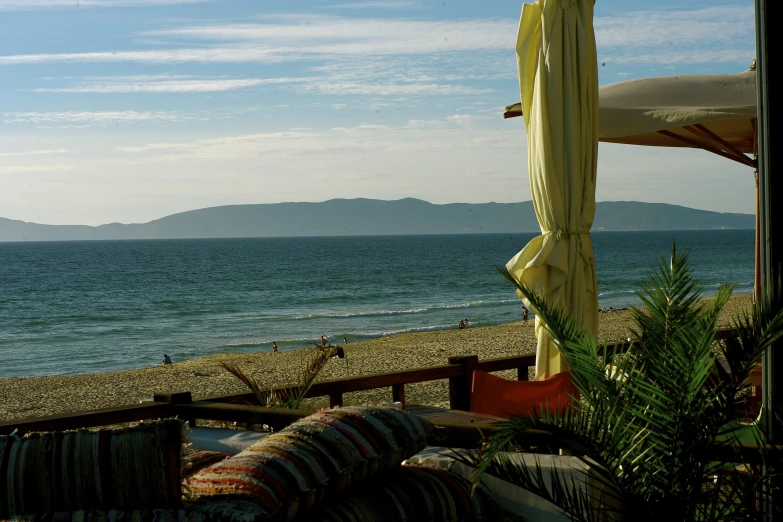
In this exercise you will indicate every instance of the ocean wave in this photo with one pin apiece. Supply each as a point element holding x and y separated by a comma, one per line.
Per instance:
<point>244,344</point>
<point>608,293</point>
<point>331,298</point>
<point>718,285</point>
<point>256,344</point>
<point>616,292</point>
<point>281,341</point>
<point>70,319</point>
<point>413,329</point>
<point>383,313</point>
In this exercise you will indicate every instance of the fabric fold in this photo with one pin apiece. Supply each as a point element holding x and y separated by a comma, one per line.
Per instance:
<point>558,82</point>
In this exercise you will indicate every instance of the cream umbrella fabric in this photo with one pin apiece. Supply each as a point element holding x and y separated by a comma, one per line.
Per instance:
<point>637,111</point>
<point>558,80</point>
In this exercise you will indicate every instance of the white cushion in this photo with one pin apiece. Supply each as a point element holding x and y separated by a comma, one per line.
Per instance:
<point>509,496</point>
<point>223,440</point>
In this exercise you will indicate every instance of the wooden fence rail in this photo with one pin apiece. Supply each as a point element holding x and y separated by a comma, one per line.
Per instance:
<point>459,372</point>
<point>239,406</point>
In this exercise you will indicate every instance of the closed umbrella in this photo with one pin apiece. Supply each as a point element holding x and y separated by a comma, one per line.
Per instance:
<point>558,81</point>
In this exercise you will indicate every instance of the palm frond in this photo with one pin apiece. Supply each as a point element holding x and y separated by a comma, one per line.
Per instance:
<point>653,423</point>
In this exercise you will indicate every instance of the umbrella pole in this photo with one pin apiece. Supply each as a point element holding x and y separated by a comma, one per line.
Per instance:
<point>757,268</point>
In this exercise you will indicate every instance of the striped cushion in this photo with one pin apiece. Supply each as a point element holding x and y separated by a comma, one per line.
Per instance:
<point>412,493</point>
<point>131,468</point>
<point>288,472</point>
<point>195,461</point>
<point>113,515</point>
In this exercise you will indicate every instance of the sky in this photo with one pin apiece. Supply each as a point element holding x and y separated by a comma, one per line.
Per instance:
<point>131,110</point>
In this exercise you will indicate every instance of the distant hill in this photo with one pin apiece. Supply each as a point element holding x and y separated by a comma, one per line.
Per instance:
<point>356,217</point>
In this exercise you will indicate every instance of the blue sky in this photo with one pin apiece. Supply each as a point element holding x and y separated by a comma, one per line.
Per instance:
<point>130,110</point>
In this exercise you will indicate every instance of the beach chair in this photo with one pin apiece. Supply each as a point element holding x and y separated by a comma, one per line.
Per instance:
<point>492,395</point>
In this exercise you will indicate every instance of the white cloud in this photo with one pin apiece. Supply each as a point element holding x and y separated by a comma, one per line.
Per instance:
<point>134,84</point>
<point>664,27</point>
<point>697,35</point>
<point>30,5</point>
<point>425,124</point>
<point>227,146</point>
<point>215,54</point>
<point>361,139</point>
<point>306,38</point>
<point>96,117</point>
<point>40,152</point>
<point>455,120</point>
<point>716,34</point>
<point>744,56</point>
<point>393,89</point>
<point>340,35</point>
<point>24,169</point>
<point>377,4</point>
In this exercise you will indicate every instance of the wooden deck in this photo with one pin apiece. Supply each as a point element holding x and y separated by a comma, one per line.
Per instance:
<point>464,429</point>
<point>455,428</point>
<point>442,416</point>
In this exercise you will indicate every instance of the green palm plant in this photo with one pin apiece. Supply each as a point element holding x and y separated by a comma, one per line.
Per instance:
<point>292,397</point>
<point>658,431</point>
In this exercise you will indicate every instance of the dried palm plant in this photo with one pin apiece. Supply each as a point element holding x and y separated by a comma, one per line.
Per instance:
<point>291,397</point>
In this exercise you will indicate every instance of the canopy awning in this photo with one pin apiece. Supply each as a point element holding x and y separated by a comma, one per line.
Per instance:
<point>714,112</point>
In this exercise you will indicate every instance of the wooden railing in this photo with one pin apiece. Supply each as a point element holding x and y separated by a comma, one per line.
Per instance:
<point>457,371</point>
<point>239,407</point>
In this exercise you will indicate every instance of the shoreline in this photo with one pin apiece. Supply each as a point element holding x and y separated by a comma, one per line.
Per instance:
<point>22,397</point>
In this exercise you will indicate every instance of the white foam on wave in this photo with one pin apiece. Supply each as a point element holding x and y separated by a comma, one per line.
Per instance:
<point>379,313</point>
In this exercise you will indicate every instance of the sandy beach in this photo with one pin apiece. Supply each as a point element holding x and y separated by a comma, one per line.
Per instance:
<point>37,396</point>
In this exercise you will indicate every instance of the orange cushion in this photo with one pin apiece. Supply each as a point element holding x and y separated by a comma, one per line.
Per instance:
<point>500,397</point>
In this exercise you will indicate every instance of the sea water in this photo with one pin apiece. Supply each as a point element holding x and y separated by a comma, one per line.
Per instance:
<point>84,307</point>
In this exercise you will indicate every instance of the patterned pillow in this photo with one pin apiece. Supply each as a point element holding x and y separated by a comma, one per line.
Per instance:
<point>288,472</point>
<point>412,493</point>
<point>130,468</point>
<point>113,515</point>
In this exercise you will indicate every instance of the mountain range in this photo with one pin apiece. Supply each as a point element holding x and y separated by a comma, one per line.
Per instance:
<point>354,217</point>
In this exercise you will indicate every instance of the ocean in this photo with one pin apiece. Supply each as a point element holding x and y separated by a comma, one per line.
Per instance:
<point>86,307</point>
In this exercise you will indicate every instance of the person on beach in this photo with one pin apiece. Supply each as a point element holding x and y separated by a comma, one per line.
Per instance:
<point>166,359</point>
<point>345,341</point>
<point>467,324</point>
<point>461,324</point>
<point>524,315</point>
<point>274,347</point>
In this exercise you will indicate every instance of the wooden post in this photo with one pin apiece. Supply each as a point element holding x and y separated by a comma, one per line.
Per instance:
<point>459,387</point>
<point>523,373</point>
<point>177,398</point>
<point>173,398</point>
<point>398,393</point>
<point>335,400</point>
